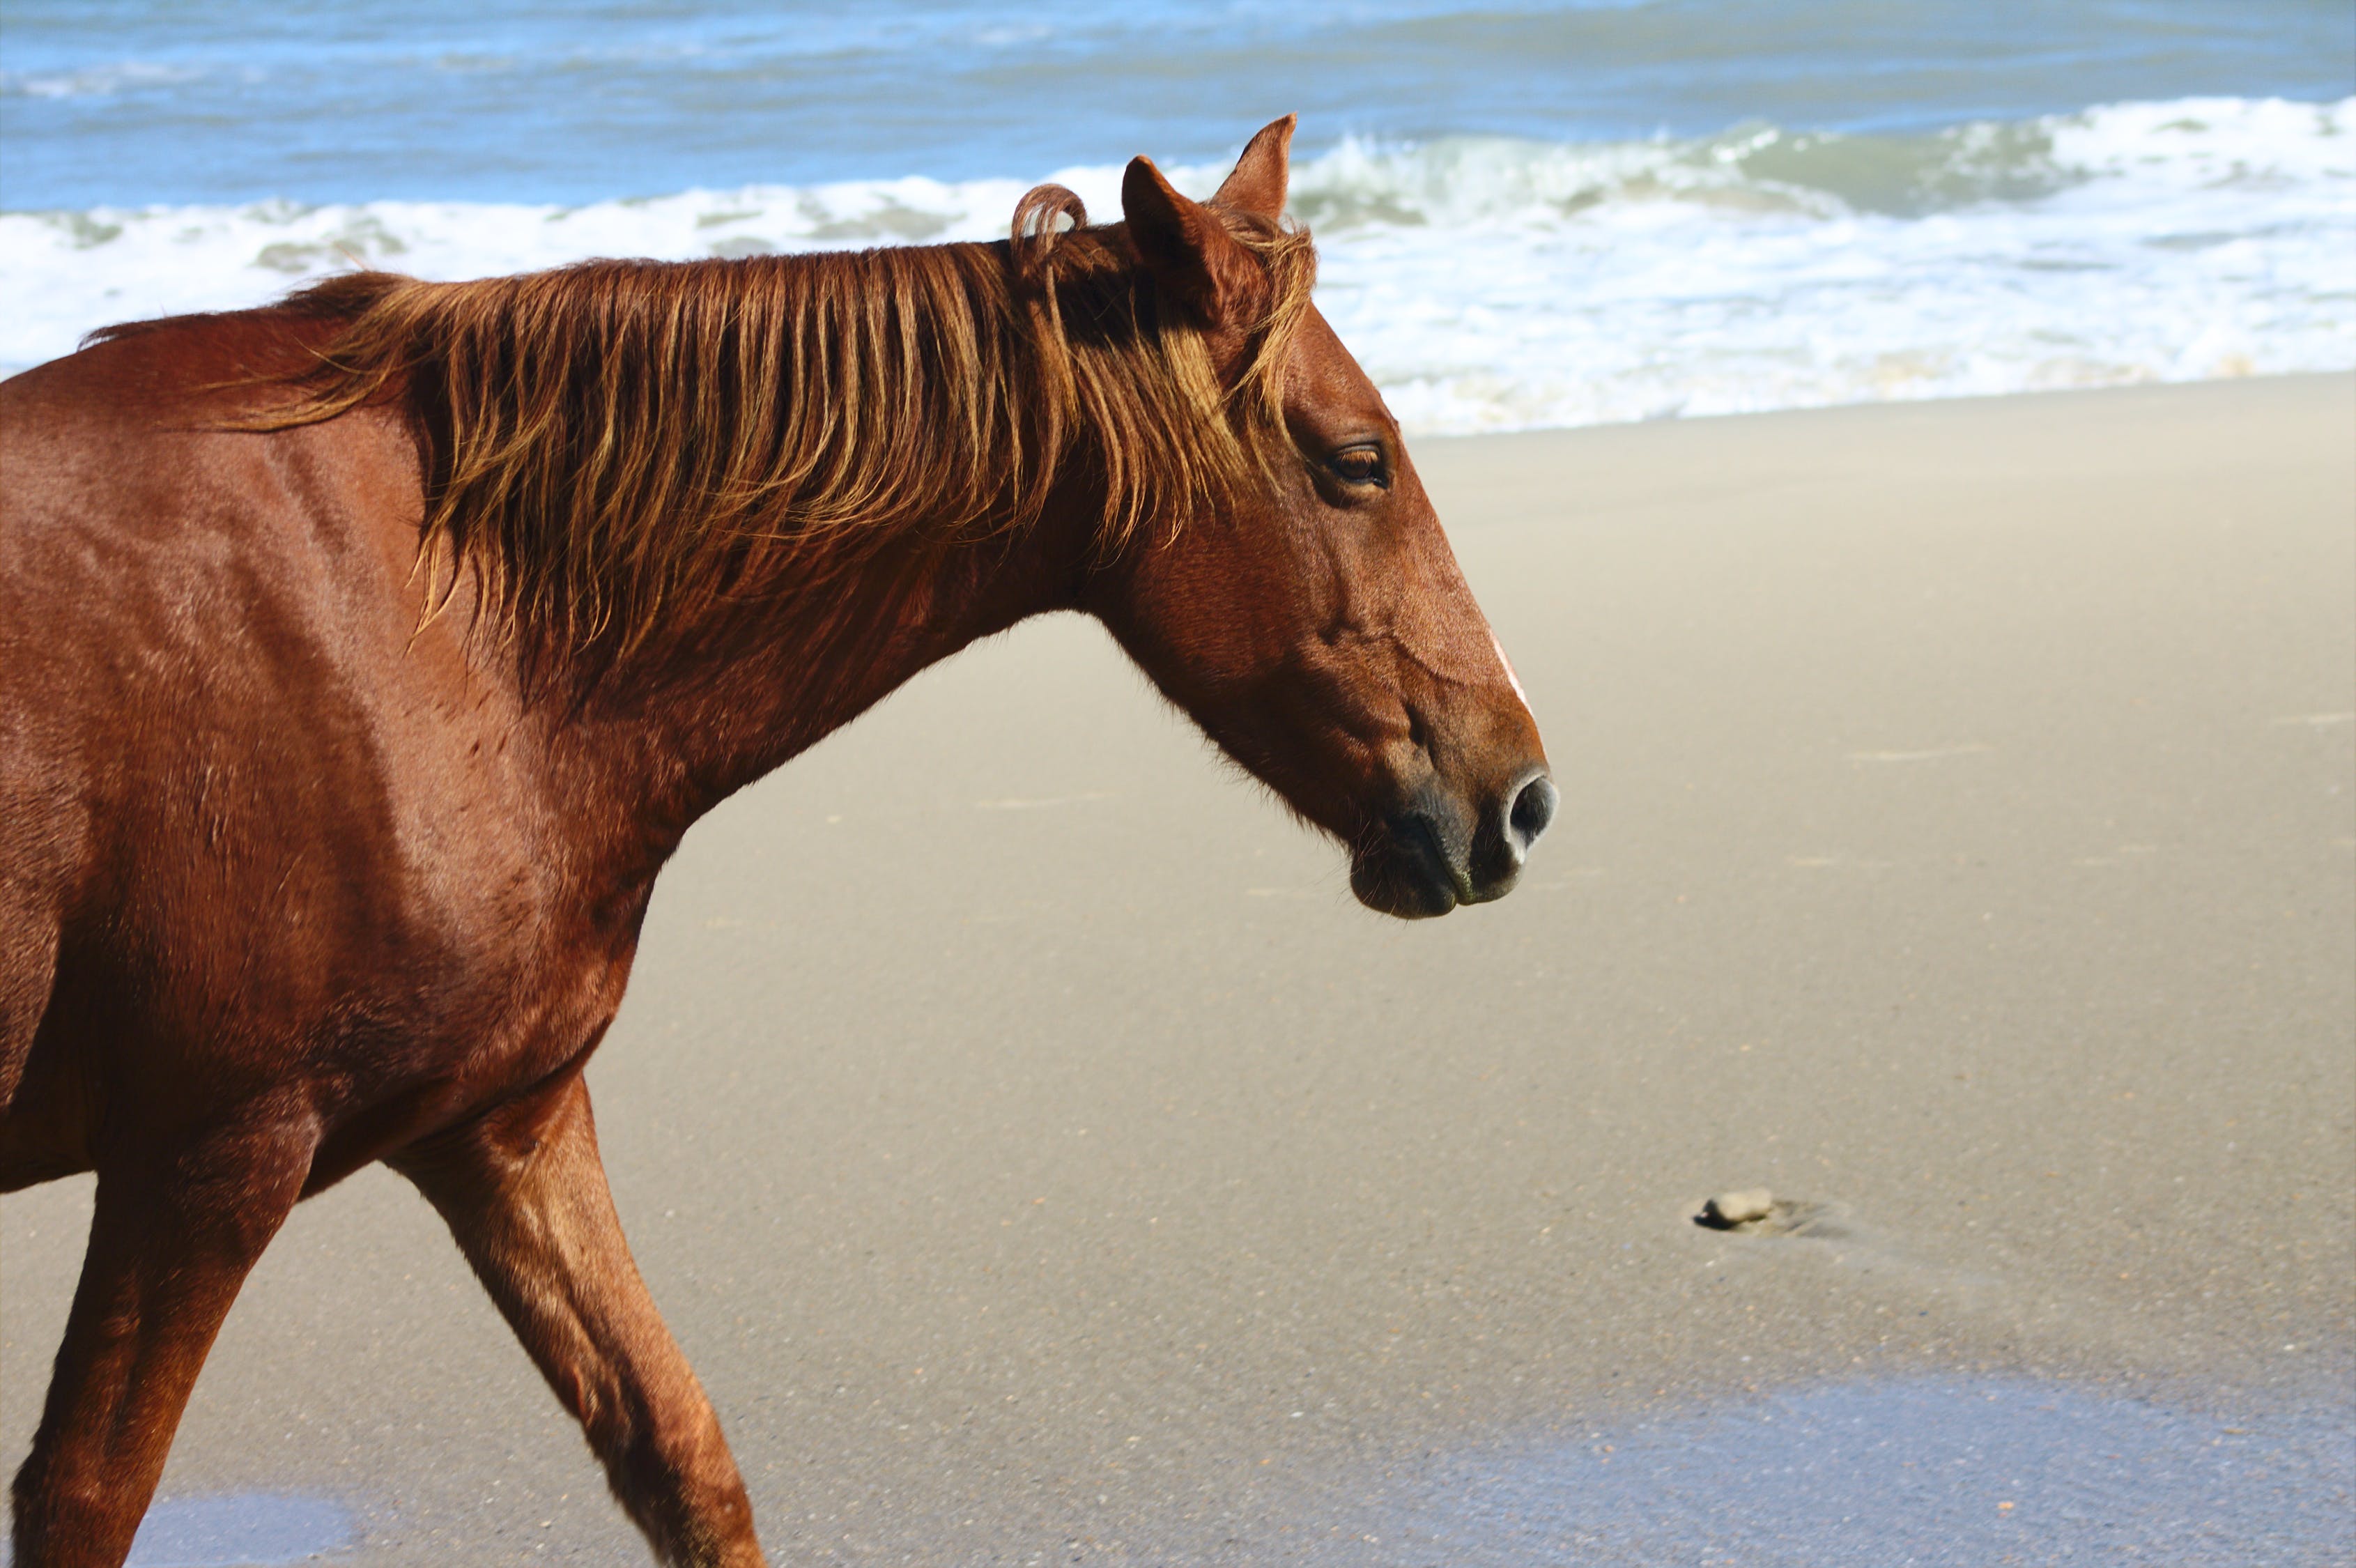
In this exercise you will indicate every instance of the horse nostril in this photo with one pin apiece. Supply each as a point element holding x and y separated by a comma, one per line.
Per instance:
<point>1532,810</point>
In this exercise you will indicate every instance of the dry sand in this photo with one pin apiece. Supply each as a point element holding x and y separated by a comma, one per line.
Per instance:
<point>1044,1160</point>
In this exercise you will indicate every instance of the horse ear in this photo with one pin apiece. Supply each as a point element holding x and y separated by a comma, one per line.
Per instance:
<point>1258,184</point>
<point>1188,249</point>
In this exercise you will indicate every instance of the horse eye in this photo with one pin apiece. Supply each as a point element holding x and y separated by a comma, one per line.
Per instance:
<point>1359,465</point>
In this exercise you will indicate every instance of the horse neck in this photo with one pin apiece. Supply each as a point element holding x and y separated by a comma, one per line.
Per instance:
<point>659,739</point>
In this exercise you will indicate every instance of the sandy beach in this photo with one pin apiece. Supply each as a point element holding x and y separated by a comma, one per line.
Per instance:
<point>1042,1159</point>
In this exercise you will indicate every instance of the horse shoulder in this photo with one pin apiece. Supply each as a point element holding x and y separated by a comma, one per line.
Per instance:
<point>270,828</point>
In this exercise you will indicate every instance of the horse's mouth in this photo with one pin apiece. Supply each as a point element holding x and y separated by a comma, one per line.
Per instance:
<point>1410,874</point>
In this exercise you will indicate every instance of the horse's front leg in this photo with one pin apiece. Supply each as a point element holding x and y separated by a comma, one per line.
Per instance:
<point>524,1192</point>
<point>177,1226</point>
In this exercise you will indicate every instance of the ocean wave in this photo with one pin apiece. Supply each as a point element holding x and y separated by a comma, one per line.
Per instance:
<point>1490,284</point>
<point>101,81</point>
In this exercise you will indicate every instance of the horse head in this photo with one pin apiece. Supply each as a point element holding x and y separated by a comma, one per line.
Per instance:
<point>1314,622</point>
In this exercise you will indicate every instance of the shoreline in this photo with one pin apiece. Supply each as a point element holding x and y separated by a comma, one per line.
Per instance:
<point>1959,836</point>
<point>2104,389</point>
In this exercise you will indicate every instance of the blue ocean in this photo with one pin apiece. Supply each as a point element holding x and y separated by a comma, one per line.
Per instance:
<point>1528,214</point>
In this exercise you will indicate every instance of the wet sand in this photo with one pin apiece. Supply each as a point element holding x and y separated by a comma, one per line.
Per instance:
<point>1042,1159</point>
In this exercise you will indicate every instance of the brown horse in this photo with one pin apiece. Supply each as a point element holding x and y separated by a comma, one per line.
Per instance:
<point>363,658</point>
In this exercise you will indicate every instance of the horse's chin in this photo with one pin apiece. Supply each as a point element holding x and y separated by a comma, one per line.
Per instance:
<point>1394,885</point>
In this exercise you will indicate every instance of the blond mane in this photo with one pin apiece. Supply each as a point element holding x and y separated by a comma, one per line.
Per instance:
<point>614,447</point>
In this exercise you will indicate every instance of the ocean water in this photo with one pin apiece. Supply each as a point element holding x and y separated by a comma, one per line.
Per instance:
<point>1528,214</point>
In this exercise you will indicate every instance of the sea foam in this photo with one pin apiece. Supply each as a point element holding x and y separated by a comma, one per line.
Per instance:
<point>1492,283</point>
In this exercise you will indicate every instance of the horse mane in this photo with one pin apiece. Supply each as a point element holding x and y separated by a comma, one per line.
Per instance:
<point>617,445</point>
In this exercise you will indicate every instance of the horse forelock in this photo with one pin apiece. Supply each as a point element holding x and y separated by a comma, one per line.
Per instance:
<point>614,448</point>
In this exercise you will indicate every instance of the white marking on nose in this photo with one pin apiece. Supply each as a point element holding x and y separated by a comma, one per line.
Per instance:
<point>1508,666</point>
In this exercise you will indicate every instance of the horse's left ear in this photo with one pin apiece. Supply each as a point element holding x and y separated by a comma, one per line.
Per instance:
<point>1261,175</point>
<point>1190,252</point>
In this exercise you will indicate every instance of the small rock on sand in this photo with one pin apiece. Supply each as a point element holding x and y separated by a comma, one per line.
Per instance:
<point>1729,1209</point>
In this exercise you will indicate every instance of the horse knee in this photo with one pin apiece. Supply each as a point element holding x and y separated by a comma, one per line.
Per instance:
<point>668,1466</point>
<point>68,1514</point>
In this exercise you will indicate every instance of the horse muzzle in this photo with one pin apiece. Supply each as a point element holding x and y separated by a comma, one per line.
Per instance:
<point>1441,850</point>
